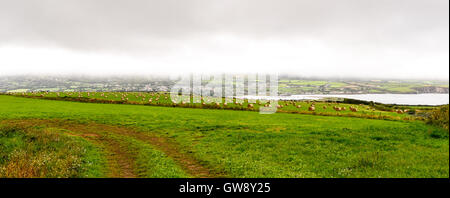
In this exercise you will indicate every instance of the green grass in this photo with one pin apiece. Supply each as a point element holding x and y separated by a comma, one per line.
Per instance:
<point>164,99</point>
<point>44,153</point>
<point>337,84</point>
<point>407,89</point>
<point>307,82</point>
<point>149,162</point>
<point>247,144</point>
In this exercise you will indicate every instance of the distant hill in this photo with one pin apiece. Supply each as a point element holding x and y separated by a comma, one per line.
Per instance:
<point>287,85</point>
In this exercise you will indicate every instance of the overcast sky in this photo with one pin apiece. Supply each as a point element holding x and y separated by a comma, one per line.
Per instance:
<point>339,38</point>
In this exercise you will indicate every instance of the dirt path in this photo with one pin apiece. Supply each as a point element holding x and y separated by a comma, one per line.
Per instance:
<point>120,159</point>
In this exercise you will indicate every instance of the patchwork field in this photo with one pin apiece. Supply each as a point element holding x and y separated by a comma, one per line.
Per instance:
<point>297,86</point>
<point>49,138</point>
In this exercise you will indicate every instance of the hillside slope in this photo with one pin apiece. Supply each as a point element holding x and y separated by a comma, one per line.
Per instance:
<point>247,144</point>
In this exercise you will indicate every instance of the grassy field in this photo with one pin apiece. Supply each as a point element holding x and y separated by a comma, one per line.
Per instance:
<point>164,99</point>
<point>35,152</point>
<point>121,140</point>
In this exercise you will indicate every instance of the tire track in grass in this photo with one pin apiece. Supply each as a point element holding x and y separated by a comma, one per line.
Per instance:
<point>171,149</point>
<point>120,160</point>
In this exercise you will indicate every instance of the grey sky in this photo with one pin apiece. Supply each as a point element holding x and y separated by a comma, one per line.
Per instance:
<point>356,38</point>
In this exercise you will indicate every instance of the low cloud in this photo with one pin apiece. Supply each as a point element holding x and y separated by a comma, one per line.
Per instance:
<point>321,37</point>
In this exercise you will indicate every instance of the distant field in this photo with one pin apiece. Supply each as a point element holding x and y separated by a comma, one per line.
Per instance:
<point>164,99</point>
<point>348,86</point>
<point>152,141</point>
<point>287,85</point>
